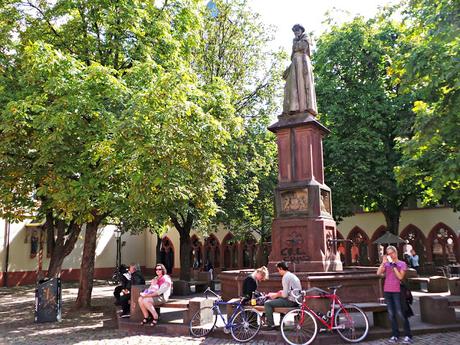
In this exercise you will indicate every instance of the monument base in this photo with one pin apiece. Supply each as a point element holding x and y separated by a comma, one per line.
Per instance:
<point>359,285</point>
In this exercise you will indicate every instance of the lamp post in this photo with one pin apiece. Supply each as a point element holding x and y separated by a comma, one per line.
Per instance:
<point>117,233</point>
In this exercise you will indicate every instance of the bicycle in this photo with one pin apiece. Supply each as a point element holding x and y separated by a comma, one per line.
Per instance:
<point>243,324</point>
<point>300,326</point>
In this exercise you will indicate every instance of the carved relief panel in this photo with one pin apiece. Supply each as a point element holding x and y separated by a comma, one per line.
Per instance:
<point>294,201</point>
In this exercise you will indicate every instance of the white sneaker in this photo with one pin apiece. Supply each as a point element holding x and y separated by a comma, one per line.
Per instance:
<point>407,340</point>
<point>393,340</point>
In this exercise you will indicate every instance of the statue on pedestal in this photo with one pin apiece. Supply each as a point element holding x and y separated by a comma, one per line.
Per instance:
<point>299,92</point>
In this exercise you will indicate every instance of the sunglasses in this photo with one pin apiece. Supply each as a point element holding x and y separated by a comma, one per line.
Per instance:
<point>159,269</point>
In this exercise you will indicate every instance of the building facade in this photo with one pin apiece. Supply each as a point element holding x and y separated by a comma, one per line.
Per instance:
<point>434,233</point>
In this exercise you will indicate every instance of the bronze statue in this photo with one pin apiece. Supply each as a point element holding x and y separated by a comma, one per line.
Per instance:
<point>299,92</point>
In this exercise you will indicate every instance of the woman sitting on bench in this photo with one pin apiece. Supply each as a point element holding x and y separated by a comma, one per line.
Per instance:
<point>152,297</point>
<point>251,283</point>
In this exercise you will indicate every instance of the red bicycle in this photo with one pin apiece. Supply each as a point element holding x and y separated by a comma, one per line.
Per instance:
<point>300,326</point>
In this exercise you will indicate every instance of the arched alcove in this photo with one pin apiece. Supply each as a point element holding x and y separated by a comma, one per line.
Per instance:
<point>196,252</point>
<point>357,250</point>
<point>212,251</point>
<point>442,245</point>
<point>376,250</point>
<point>416,239</point>
<point>167,254</point>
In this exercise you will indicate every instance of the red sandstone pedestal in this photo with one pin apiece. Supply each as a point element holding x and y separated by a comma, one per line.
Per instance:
<point>303,232</point>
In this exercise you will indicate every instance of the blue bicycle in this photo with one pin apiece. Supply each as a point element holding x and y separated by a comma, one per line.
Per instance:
<point>243,324</point>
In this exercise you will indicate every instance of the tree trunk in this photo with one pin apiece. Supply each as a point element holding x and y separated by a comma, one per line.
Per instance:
<point>184,233</point>
<point>157,249</point>
<point>87,265</point>
<point>59,247</point>
<point>392,219</point>
<point>185,255</point>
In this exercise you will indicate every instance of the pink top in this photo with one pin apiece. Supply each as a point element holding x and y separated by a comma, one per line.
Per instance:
<point>391,281</point>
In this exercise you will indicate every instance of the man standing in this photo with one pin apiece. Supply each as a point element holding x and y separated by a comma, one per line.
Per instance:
<point>282,298</point>
<point>135,278</point>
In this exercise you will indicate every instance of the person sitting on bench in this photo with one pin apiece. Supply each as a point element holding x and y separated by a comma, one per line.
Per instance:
<point>282,298</point>
<point>252,281</point>
<point>134,278</point>
<point>148,300</point>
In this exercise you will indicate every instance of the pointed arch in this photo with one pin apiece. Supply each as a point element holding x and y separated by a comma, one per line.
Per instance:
<point>341,248</point>
<point>357,251</point>
<point>167,254</point>
<point>376,250</point>
<point>416,239</point>
<point>212,251</point>
<point>229,252</point>
<point>196,252</point>
<point>442,245</point>
<point>249,251</point>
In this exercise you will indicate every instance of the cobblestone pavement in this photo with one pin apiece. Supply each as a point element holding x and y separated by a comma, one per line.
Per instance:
<point>97,325</point>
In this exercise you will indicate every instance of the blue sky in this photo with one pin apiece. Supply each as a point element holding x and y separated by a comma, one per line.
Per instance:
<point>311,14</point>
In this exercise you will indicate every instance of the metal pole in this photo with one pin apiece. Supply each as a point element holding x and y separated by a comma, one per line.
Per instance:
<point>118,252</point>
<point>7,254</point>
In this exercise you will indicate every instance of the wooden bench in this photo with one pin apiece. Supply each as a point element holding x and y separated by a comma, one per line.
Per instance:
<point>439,309</point>
<point>379,311</point>
<point>190,307</point>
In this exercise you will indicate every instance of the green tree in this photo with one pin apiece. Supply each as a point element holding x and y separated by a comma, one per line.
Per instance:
<point>104,118</point>
<point>432,68</point>
<point>236,49</point>
<point>361,101</point>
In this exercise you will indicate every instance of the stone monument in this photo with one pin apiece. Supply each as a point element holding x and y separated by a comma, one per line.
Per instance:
<point>304,232</point>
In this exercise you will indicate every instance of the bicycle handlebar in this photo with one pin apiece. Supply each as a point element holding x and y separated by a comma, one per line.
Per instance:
<point>296,293</point>
<point>208,290</point>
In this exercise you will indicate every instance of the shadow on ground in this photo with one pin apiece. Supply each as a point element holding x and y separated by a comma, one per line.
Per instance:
<point>17,324</point>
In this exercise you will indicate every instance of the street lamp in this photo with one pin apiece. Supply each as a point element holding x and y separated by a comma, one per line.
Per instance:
<point>117,234</point>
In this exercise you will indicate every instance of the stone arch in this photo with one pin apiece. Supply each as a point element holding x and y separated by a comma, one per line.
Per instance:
<point>212,251</point>
<point>249,251</point>
<point>342,248</point>
<point>196,252</point>
<point>376,250</point>
<point>167,254</point>
<point>229,252</point>
<point>442,245</point>
<point>414,237</point>
<point>357,251</point>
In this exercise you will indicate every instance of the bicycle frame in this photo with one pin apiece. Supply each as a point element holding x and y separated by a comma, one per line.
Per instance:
<point>238,307</point>
<point>335,301</point>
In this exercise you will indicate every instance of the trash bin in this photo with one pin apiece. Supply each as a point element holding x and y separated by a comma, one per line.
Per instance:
<point>48,300</point>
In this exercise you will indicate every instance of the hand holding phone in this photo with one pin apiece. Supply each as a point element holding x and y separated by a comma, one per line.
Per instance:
<point>389,259</point>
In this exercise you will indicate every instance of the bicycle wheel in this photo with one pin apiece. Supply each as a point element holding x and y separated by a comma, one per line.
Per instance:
<point>246,325</point>
<point>352,323</point>
<point>203,322</point>
<point>299,327</point>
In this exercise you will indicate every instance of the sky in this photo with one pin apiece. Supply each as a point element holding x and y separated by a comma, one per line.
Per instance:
<point>310,13</point>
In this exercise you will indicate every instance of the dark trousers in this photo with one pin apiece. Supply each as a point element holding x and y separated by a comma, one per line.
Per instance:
<point>117,292</point>
<point>393,301</point>
<point>124,301</point>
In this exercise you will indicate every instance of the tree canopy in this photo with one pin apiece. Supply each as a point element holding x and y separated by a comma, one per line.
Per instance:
<point>361,102</point>
<point>432,68</point>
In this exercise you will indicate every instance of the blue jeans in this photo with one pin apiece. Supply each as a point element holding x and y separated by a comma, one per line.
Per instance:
<point>393,301</point>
